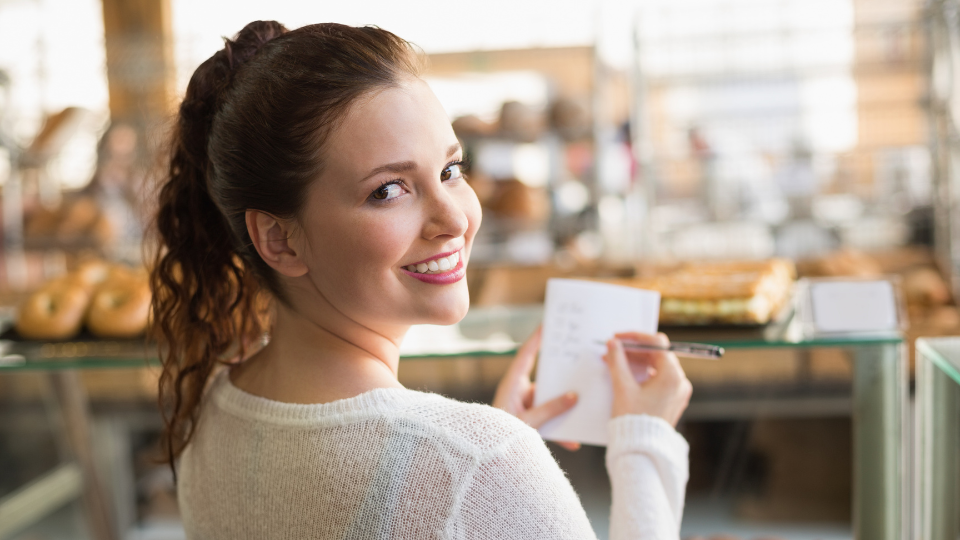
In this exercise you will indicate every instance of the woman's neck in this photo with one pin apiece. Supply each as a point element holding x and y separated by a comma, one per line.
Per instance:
<point>317,354</point>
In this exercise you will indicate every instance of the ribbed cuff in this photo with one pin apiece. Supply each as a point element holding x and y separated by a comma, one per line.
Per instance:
<point>642,433</point>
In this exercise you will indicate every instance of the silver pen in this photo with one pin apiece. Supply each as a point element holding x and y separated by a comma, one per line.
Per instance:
<point>697,350</point>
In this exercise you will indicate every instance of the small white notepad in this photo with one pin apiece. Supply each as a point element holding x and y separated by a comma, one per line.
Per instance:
<point>578,315</point>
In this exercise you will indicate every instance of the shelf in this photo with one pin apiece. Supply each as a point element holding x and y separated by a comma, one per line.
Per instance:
<point>485,331</point>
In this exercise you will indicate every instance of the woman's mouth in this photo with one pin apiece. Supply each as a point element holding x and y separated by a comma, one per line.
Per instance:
<point>439,271</point>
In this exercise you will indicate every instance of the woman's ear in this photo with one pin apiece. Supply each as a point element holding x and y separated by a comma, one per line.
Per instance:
<point>271,237</point>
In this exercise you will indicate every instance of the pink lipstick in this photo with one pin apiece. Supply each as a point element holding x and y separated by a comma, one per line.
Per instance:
<point>453,275</point>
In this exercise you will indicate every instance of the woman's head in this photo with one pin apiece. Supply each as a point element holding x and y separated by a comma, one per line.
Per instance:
<point>391,196</point>
<point>258,113</point>
<point>315,164</point>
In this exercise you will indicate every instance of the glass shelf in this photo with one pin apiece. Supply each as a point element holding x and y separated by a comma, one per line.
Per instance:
<point>485,331</point>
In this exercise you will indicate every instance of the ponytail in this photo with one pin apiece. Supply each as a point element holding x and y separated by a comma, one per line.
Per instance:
<point>205,303</point>
<point>249,135</point>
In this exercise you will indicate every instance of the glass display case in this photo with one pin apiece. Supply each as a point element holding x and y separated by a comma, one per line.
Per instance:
<point>937,464</point>
<point>875,399</point>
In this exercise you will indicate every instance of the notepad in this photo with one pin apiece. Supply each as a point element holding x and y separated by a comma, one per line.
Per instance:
<point>578,314</point>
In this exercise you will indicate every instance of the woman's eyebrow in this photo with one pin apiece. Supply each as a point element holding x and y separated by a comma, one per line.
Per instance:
<point>398,167</point>
<point>405,166</point>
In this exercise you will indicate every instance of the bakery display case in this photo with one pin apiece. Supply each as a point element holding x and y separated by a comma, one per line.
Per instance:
<point>937,434</point>
<point>482,343</point>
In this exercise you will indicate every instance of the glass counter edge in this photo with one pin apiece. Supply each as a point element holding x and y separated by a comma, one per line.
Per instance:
<point>46,364</point>
<point>926,347</point>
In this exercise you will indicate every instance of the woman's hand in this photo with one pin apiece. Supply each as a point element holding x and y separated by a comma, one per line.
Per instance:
<point>647,382</point>
<point>515,391</point>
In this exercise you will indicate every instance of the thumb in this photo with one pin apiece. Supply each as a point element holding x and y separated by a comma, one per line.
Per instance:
<point>540,414</point>
<point>526,356</point>
<point>616,360</point>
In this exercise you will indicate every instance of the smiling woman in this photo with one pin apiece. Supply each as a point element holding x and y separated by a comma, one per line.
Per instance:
<point>315,172</point>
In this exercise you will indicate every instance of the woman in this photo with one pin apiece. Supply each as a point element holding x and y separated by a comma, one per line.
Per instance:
<point>316,166</point>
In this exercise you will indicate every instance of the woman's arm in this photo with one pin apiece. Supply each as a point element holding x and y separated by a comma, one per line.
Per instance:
<point>647,464</point>
<point>517,490</point>
<point>647,460</point>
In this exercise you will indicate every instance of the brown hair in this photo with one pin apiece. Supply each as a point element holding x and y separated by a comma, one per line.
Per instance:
<point>249,135</point>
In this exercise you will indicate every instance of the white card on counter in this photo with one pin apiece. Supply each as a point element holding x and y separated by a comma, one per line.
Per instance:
<point>579,316</point>
<point>854,306</point>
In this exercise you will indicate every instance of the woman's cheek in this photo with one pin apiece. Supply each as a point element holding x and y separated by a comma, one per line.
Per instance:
<point>386,238</point>
<point>473,211</point>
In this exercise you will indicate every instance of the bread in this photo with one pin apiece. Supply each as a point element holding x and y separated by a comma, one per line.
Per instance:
<point>53,312</point>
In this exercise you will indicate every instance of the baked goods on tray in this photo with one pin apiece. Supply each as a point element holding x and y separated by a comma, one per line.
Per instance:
<point>739,292</point>
<point>112,301</point>
<point>121,306</point>
<point>55,311</point>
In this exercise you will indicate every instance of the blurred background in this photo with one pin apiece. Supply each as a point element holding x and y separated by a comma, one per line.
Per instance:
<point>611,139</point>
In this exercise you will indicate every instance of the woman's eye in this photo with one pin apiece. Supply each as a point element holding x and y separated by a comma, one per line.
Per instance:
<point>452,171</point>
<point>388,191</point>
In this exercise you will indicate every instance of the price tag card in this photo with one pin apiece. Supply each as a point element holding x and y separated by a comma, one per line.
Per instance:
<point>579,316</point>
<point>854,306</point>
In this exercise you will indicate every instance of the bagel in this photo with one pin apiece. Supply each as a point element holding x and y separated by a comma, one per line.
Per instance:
<point>91,274</point>
<point>121,306</point>
<point>55,311</point>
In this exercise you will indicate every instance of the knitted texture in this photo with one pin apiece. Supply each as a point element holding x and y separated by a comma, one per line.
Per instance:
<point>402,464</point>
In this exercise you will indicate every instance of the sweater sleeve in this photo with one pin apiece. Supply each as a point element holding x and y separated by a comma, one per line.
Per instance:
<point>647,461</point>
<point>519,491</point>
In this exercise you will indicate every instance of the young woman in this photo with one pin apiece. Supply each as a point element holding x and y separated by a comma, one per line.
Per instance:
<point>316,167</point>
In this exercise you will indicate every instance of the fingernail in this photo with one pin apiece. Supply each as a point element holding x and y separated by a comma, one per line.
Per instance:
<point>570,397</point>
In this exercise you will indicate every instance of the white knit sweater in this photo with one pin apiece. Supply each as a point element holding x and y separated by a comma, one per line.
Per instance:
<point>401,464</point>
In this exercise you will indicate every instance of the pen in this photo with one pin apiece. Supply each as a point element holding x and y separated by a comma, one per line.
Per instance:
<point>698,350</point>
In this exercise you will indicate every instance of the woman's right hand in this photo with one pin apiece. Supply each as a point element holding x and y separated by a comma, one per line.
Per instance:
<point>664,393</point>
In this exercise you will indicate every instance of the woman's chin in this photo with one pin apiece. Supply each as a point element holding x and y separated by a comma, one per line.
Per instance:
<point>447,312</point>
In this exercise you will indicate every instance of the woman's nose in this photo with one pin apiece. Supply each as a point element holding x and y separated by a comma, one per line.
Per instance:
<point>444,215</point>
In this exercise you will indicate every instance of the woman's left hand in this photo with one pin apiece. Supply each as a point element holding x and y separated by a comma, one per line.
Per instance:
<point>515,392</point>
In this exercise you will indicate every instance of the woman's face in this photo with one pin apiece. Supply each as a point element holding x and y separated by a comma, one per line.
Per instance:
<point>389,224</point>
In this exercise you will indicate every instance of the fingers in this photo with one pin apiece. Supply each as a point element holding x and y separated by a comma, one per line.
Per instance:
<point>669,370</point>
<point>616,360</point>
<point>527,355</point>
<point>539,415</point>
<point>527,398</point>
<point>660,339</point>
<point>653,358</point>
<point>569,445</point>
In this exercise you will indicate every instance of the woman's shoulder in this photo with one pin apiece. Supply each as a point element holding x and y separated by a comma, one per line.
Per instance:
<point>477,425</point>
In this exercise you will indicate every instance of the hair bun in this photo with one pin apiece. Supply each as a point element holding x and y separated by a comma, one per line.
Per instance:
<point>249,40</point>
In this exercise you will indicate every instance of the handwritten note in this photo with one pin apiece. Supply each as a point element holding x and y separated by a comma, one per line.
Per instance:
<point>577,315</point>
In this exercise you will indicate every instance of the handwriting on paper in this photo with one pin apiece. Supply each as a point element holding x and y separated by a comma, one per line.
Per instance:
<point>578,315</point>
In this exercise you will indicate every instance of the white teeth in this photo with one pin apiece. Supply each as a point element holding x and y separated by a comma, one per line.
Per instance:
<point>436,265</point>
